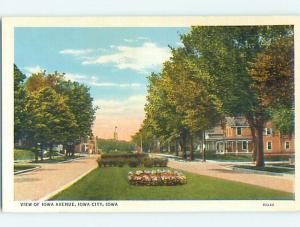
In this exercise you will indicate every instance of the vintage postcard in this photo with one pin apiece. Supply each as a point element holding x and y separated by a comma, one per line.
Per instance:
<point>150,114</point>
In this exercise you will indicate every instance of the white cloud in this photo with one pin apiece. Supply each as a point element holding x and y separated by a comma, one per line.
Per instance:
<point>80,52</point>
<point>129,40</point>
<point>133,106</point>
<point>142,58</point>
<point>76,77</point>
<point>76,52</point>
<point>137,39</point>
<point>33,69</point>
<point>142,38</point>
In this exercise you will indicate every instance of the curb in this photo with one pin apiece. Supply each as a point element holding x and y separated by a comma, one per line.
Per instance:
<point>70,160</point>
<point>27,170</point>
<point>62,188</point>
<point>38,167</point>
<point>257,171</point>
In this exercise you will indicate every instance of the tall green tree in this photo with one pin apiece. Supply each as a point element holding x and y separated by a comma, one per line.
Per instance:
<point>188,89</point>
<point>162,117</point>
<point>225,54</point>
<point>50,110</point>
<point>80,102</point>
<point>50,118</point>
<point>20,113</point>
<point>272,73</point>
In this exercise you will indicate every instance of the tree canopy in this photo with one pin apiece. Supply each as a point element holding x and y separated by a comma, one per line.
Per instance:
<point>224,70</point>
<point>50,110</point>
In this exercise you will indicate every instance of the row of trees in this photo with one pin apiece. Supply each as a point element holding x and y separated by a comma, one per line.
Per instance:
<point>111,145</point>
<point>50,110</point>
<point>236,71</point>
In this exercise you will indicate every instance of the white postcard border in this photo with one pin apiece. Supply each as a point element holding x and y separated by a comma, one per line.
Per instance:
<point>8,25</point>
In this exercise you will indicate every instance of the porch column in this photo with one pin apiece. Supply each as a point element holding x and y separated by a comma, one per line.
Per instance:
<point>236,146</point>
<point>247,147</point>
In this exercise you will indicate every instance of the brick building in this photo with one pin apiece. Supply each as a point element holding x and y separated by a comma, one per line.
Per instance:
<point>237,139</point>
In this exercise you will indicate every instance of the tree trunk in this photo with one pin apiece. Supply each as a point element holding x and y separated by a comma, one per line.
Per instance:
<point>50,151</point>
<point>176,147</point>
<point>183,145</point>
<point>191,147</point>
<point>42,153</point>
<point>253,134</point>
<point>260,162</point>
<point>203,147</point>
<point>73,151</point>
<point>36,154</point>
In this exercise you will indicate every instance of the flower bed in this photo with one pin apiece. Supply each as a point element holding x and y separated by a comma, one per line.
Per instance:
<point>156,178</point>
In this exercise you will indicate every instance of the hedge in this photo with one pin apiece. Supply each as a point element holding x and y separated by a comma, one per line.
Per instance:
<point>133,160</point>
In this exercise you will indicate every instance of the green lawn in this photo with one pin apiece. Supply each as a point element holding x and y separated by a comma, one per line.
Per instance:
<point>110,183</point>
<point>272,169</point>
<point>232,158</point>
<point>57,158</point>
<point>53,160</point>
<point>23,154</point>
<point>19,167</point>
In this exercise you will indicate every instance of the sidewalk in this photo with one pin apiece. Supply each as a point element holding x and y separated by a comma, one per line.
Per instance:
<point>280,183</point>
<point>50,177</point>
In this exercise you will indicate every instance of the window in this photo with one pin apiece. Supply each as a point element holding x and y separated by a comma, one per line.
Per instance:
<point>268,131</point>
<point>245,145</point>
<point>239,131</point>
<point>269,146</point>
<point>287,145</point>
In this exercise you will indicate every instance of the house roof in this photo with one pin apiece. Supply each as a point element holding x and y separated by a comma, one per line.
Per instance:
<point>237,121</point>
<point>216,130</point>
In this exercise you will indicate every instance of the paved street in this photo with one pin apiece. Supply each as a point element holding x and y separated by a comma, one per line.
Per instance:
<point>50,177</point>
<point>281,183</point>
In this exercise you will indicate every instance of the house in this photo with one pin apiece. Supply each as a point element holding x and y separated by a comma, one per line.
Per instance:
<point>88,145</point>
<point>212,137</point>
<point>235,138</point>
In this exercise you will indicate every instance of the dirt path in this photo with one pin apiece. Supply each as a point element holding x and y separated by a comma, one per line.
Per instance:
<point>49,178</point>
<point>281,183</point>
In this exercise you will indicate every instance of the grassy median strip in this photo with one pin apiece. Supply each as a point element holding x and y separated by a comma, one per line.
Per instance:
<point>111,183</point>
<point>23,154</point>
<point>20,167</point>
<point>272,169</point>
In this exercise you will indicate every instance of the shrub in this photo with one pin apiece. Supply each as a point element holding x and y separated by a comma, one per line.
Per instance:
<point>124,155</point>
<point>133,162</point>
<point>120,163</point>
<point>160,162</point>
<point>148,162</point>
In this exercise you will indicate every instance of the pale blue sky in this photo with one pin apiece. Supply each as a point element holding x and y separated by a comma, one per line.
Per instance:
<point>113,62</point>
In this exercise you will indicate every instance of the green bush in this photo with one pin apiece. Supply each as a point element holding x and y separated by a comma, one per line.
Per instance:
<point>124,155</point>
<point>148,162</point>
<point>120,163</point>
<point>160,162</point>
<point>134,162</point>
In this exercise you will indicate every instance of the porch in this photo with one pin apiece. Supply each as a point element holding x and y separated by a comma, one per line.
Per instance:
<point>234,146</point>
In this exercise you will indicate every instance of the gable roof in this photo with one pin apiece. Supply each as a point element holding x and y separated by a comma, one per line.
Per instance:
<point>236,121</point>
